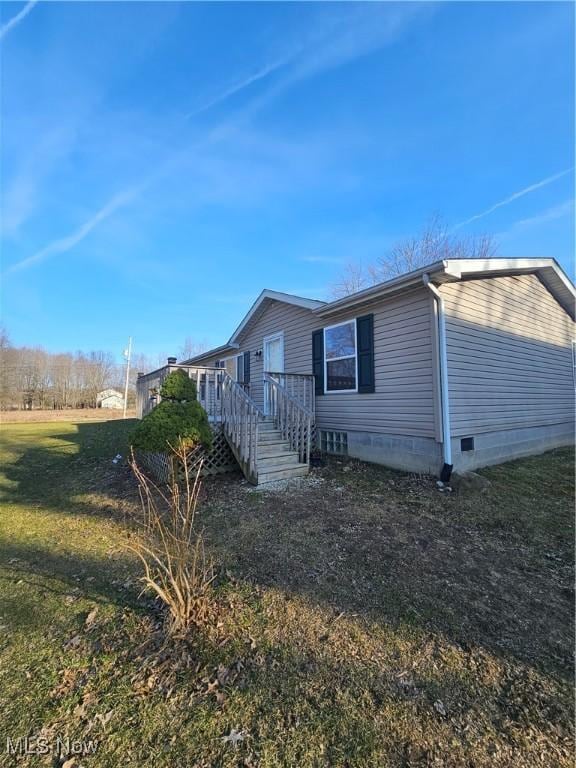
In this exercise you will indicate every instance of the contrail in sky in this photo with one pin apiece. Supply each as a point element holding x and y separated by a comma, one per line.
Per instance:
<point>513,197</point>
<point>66,243</point>
<point>15,20</point>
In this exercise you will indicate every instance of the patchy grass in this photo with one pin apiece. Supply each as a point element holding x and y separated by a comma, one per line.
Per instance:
<point>365,620</point>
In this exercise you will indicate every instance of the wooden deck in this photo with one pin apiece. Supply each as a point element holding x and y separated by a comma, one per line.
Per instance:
<point>267,447</point>
<point>208,388</point>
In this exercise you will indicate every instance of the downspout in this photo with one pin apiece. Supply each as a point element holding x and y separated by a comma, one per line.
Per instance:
<point>444,394</point>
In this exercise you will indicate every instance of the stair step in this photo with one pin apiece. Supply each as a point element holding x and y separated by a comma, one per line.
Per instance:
<point>266,426</point>
<point>298,470</point>
<point>273,449</point>
<point>272,437</point>
<point>268,463</point>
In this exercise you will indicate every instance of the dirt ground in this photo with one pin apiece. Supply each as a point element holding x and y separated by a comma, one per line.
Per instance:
<point>493,569</point>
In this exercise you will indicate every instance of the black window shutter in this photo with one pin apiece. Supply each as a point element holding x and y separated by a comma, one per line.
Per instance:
<point>365,351</point>
<point>318,361</point>
<point>246,367</point>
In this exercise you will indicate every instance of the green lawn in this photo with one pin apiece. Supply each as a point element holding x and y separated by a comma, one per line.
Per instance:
<point>364,619</point>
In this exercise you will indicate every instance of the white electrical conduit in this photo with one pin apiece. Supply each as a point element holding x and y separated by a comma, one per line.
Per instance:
<point>444,395</point>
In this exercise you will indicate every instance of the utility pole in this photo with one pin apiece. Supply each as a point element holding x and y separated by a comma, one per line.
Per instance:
<point>127,355</point>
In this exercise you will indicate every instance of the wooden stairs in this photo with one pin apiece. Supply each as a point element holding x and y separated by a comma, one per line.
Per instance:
<point>276,460</point>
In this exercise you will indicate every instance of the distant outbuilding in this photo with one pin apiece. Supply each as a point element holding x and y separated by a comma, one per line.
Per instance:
<point>110,398</point>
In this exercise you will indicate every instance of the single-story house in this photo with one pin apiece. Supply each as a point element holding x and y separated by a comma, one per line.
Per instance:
<point>110,398</point>
<point>457,365</point>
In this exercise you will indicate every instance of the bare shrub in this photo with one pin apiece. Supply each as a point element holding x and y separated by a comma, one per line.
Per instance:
<point>171,549</point>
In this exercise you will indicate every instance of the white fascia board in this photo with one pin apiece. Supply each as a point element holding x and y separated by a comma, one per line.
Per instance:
<point>409,280</point>
<point>285,298</point>
<point>209,353</point>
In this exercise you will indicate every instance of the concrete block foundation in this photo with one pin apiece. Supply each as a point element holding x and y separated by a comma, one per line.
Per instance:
<point>424,455</point>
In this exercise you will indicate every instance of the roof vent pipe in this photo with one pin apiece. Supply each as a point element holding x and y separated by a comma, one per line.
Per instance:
<point>444,394</point>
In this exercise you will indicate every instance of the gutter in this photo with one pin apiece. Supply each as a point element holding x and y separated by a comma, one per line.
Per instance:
<point>396,284</point>
<point>444,393</point>
<point>230,347</point>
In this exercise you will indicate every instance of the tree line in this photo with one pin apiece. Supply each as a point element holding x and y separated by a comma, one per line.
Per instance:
<point>32,378</point>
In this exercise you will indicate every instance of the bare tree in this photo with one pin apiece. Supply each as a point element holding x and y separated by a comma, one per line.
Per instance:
<point>6,369</point>
<point>99,373</point>
<point>191,348</point>
<point>4,339</point>
<point>434,243</point>
<point>61,376</point>
<point>354,277</point>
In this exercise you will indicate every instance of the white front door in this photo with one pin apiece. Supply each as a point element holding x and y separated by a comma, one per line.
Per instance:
<point>273,363</point>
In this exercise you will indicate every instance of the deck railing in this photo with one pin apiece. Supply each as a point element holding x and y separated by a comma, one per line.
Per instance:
<point>299,386</point>
<point>240,419</point>
<point>208,387</point>
<point>294,420</point>
<point>289,401</point>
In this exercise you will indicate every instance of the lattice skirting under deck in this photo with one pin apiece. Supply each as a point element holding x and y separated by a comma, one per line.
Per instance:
<point>218,460</point>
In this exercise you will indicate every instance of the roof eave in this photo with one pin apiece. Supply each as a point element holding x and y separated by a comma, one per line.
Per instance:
<point>548,271</point>
<point>397,284</point>
<point>287,298</point>
<point>229,347</point>
<point>450,270</point>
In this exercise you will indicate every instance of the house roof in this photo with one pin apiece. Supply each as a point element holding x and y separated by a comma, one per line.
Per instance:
<point>452,270</point>
<point>447,270</point>
<point>222,349</point>
<point>265,297</point>
<point>109,393</point>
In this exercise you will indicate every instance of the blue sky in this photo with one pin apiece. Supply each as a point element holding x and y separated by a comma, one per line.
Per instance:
<point>163,162</point>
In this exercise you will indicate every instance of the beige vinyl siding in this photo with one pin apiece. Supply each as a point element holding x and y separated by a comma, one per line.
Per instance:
<point>403,400</point>
<point>509,355</point>
<point>210,362</point>
<point>296,323</point>
<point>403,403</point>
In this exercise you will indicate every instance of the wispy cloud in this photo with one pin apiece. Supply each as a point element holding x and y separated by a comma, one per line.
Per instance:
<point>322,259</point>
<point>15,20</point>
<point>355,34</point>
<point>65,244</point>
<point>513,197</point>
<point>20,192</point>
<point>18,203</point>
<point>349,36</point>
<point>240,86</point>
<point>550,214</point>
<point>328,47</point>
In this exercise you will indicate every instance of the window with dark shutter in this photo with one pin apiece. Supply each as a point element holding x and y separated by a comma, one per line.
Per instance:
<point>318,360</point>
<point>365,351</point>
<point>340,357</point>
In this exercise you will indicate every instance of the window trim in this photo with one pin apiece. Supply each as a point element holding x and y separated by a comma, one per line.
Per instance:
<point>230,357</point>
<point>344,357</point>
<point>278,336</point>
<point>240,362</point>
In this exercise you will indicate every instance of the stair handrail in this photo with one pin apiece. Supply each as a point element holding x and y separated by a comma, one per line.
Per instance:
<point>299,385</point>
<point>293,419</point>
<point>240,419</point>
